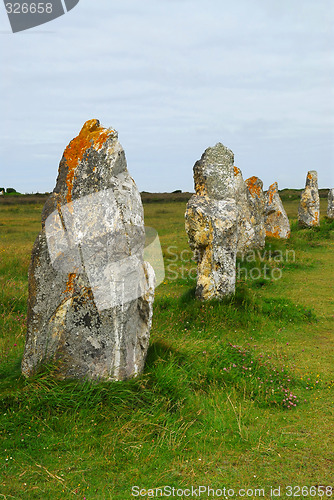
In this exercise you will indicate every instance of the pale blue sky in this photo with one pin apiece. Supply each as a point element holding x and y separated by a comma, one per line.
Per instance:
<point>173,77</point>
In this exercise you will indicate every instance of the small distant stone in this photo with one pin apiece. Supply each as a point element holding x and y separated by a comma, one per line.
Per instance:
<point>246,231</point>
<point>277,223</point>
<point>330,209</point>
<point>257,204</point>
<point>309,207</point>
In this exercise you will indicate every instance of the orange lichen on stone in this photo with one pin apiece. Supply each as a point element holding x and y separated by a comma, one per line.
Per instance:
<point>309,176</point>
<point>272,234</point>
<point>253,186</point>
<point>70,284</point>
<point>275,233</point>
<point>236,171</point>
<point>271,192</point>
<point>91,135</point>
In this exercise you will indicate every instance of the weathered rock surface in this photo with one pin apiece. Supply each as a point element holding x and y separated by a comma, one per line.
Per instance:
<point>246,232</point>
<point>277,223</point>
<point>90,291</point>
<point>330,209</point>
<point>309,207</point>
<point>257,204</point>
<point>212,223</point>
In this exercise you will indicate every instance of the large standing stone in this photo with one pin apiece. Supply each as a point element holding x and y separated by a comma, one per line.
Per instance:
<point>90,291</point>
<point>276,220</point>
<point>212,223</point>
<point>309,207</point>
<point>246,233</point>
<point>257,204</point>
<point>330,209</point>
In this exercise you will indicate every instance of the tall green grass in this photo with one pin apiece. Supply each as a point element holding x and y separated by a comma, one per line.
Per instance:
<point>234,392</point>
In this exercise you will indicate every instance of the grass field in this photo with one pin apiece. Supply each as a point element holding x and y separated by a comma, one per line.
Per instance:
<point>235,394</point>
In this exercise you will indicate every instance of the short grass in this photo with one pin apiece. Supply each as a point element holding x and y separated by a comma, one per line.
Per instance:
<point>235,394</point>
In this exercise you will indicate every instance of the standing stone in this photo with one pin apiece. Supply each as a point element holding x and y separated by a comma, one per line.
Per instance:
<point>276,220</point>
<point>211,221</point>
<point>330,209</point>
<point>257,203</point>
<point>246,233</point>
<point>90,291</point>
<point>309,207</point>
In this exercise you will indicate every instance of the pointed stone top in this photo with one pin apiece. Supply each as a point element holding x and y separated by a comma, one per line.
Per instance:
<point>273,187</point>
<point>312,173</point>
<point>218,155</point>
<point>214,174</point>
<point>255,186</point>
<point>239,183</point>
<point>272,193</point>
<point>312,178</point>
<point>85,157</point>
<point>92,135</point>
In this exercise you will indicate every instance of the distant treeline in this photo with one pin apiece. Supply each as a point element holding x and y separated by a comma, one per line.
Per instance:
<point>7,191</point>
<point>23,199</point>
<point>40,198</point>
<point>294,194</point>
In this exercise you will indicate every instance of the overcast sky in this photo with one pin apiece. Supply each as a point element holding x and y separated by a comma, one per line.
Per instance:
<point>173,77</point>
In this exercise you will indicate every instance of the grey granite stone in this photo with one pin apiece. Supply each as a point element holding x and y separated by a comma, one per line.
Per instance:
<point>90,291</point>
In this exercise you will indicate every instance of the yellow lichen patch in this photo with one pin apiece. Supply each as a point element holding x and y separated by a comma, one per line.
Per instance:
<point>199,186</point>
<point>58,202</point>
<point>91,135</point>
<point>254,186</point>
